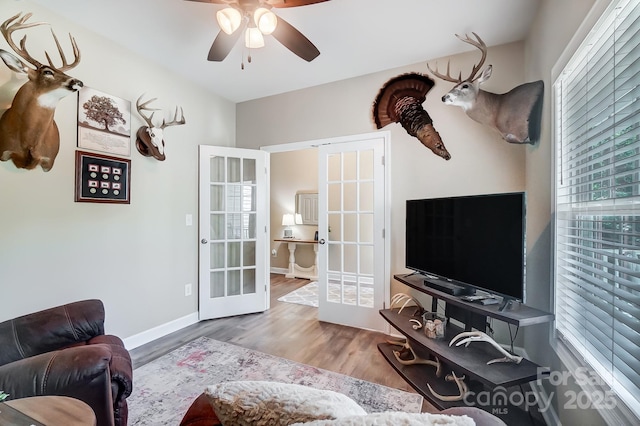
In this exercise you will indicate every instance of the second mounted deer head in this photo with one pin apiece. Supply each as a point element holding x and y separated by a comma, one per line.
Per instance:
<point>149,138</point>
<point>515,114</point>
<point>28,134</point>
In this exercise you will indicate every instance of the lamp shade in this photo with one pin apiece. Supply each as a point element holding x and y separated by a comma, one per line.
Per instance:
<point>228,19</point>
<point>265,20</point>
<point>288,220</point>
<point>253,38</point>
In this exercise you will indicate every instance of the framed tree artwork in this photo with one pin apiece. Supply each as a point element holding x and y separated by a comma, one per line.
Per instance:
<point>104,122</point>
<point>102,179</point>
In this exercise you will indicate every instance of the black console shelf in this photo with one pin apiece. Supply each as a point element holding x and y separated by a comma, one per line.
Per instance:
<point>519,314</point>
<point>470,361</point>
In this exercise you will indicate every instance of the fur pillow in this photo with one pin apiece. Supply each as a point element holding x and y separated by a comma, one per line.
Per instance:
<point>256,403</point>
<point>395,419</point>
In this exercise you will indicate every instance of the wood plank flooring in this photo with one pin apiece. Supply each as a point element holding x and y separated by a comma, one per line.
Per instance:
<point>291,331</point>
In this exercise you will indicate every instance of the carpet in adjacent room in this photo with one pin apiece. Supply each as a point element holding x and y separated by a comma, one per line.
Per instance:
<point>164,388</point>
<point>308,295</point>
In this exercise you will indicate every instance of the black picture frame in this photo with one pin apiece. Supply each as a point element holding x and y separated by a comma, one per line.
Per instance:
<point>102,178</point>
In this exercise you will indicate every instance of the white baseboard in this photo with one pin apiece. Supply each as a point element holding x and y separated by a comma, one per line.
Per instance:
<point>162,330</point>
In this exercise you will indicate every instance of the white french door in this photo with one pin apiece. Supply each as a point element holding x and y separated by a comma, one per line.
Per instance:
<point>233,214</point>
<point>351,224</point>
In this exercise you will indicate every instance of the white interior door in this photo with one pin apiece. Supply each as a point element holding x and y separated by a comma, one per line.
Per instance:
<point>351,224</point>
<point>233,221</point>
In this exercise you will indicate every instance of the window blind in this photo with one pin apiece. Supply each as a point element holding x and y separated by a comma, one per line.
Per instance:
<point>597,222</point>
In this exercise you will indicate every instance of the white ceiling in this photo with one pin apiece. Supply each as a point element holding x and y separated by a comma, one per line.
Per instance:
<point>355,37</point>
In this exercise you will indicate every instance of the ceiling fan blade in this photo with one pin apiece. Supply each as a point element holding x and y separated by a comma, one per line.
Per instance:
<point>222,45</point>
<point>289,3</point>
<point>295,41</point>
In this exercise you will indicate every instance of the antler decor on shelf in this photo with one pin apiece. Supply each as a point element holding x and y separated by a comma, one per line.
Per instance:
<point>400,101</point>
<point>415,359</point>
<point>149,139</point>
<point>462,388</point>
<point>478,336</point>
<point>403,297</point>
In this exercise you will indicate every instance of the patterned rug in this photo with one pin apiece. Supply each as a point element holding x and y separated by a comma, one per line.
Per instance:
<point>164,389</point>
<point>308,295</point>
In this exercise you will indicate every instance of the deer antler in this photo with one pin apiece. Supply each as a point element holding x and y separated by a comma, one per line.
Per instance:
<point>175,121</point>
<point>445,77</point>
<point>143,107</point>
<point>76,54</point>
<point>462,388</point>
<point>19,23</point>
<point>478,336</point>
<point>478,44</point>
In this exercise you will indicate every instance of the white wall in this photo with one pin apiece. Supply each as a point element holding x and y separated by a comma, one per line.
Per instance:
<point>481,162</point>
<point>138,257</point>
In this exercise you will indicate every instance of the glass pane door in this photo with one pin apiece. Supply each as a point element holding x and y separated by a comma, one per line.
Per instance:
<point>352,210</point>
<point>233,205</point>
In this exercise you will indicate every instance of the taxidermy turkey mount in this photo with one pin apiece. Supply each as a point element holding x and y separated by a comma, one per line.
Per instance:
<point>254,18</point>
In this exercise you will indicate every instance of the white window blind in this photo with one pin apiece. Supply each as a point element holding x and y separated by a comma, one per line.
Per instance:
<point>597,254</point>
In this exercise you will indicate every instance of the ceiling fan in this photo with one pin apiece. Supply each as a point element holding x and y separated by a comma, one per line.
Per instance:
<point>254,18</point>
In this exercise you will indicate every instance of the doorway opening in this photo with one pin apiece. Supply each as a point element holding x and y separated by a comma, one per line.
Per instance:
<point>346,246</point>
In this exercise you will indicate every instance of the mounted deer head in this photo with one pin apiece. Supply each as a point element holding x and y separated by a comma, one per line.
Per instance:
<point>515,114</point>
<point>28,135</point>
<point>149,139</point>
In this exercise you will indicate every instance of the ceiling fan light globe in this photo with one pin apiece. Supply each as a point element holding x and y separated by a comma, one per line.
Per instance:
<point>253,38</point>
<point>228,19</point>
<point>265,20</point>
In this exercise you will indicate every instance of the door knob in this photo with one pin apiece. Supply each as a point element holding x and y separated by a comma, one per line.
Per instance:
<point>321,241</point>
<point>204,241</point>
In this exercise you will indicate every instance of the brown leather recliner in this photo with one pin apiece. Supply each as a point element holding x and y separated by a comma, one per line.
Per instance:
<point>64,351</point>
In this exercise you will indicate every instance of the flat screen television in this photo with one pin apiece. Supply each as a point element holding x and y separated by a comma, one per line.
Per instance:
<point>475,241</point>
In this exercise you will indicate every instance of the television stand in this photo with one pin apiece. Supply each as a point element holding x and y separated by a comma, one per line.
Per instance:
<point>490,385</point>
<point>506,304</point>
<point>448,288</point>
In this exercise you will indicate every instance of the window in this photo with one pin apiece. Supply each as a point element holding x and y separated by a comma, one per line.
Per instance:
<point>597,221</point>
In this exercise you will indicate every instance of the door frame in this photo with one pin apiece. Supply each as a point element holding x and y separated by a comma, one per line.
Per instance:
<point>314,143</point>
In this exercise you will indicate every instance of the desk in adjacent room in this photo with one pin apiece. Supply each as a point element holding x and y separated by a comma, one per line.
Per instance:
<point>295,270</point>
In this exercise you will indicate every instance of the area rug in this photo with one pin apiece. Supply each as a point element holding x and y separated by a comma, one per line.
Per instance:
<point>164,389</point>
<point>305,295</point>
<point>308,295</point>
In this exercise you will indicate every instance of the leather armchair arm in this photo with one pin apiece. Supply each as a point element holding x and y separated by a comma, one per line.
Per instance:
<point>120,365</point>
<point>80,372</point>
<point>50,329</point>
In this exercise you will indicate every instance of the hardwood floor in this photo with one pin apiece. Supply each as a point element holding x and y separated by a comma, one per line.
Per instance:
<point>291,331</point>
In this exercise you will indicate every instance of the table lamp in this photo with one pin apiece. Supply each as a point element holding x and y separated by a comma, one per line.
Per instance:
<point>287,221</point>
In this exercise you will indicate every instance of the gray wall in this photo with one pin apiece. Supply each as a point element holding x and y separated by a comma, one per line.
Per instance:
<point>481,162</point>
<point>138,257</point>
